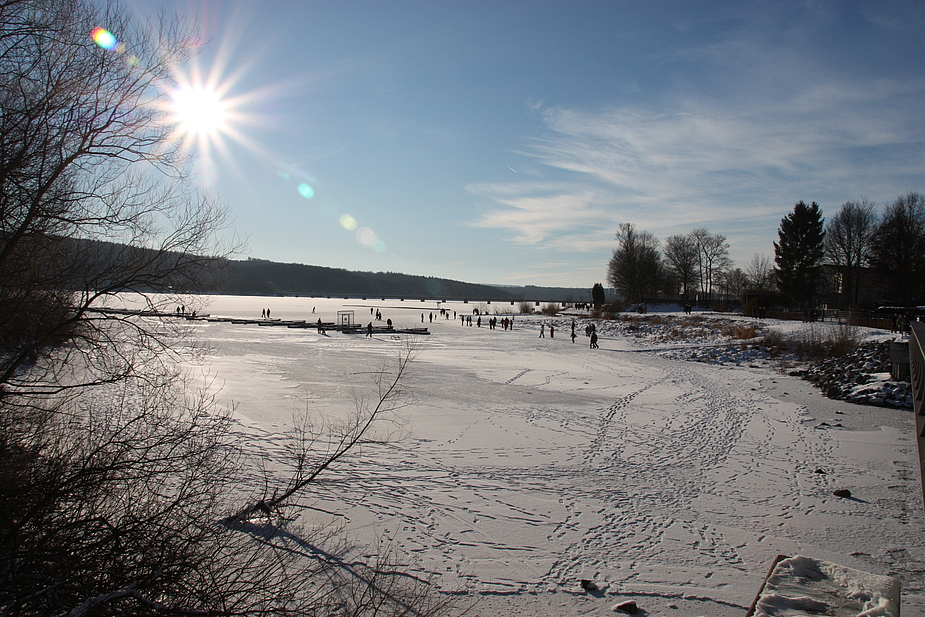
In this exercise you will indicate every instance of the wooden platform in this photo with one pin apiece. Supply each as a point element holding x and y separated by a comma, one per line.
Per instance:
<point>266,322</point>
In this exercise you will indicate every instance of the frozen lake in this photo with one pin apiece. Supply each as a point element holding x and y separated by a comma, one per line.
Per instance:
<point>524,464</point>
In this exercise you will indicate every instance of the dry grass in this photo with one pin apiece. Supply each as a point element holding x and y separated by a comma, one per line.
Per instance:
<point>739,331</point>
<point>846,339</point>
<point>774,341</point>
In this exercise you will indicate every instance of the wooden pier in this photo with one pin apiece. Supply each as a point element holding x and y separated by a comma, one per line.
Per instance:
<point>326,326</point>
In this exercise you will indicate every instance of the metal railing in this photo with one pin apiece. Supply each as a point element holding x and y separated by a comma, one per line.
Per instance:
<point>917,375</point>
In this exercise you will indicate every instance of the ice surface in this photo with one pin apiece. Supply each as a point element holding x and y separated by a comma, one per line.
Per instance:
<point>523,465</point>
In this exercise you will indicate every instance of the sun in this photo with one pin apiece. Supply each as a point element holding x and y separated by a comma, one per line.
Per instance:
<point>199,112</point>
<point>205,110</point>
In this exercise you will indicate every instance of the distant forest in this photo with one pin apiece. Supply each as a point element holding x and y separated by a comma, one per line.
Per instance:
<point>269,278</point>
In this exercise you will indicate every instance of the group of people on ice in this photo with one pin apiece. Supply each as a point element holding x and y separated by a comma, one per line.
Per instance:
<point>507,323</point>
<point>590,331</point>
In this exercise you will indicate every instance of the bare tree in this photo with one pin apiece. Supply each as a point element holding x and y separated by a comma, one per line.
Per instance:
<point>112,505</point>
<point>847,243</point>
<point>760,272</point>
<point>114,478</point>
<point>682,259</point>
<point>733,283</point>
<point>714,258</point>
<point>897,250</point>
<point>636,267</point>
<point>92,198</point>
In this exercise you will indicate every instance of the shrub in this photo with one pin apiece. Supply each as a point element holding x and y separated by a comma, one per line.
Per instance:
<point>614,307</point>
<point>550,309</point>
<point>810,345</point>
<point>774,341</point>
<point>846,339</point>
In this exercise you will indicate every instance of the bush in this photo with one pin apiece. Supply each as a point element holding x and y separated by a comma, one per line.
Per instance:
<point>846,339</point>
<point>811,348</point>
<point>774,341</point>
<point>550,309</point>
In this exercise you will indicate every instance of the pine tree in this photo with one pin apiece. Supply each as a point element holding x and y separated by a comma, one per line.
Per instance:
<point>597,295</point>
<point>799,252</point>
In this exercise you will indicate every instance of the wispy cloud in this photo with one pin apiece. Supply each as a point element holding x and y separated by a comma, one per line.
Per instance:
<point>535,212</point>
<point>734,161</point>
<point>703,165</point>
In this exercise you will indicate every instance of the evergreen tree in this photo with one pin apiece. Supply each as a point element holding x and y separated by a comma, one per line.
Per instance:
<point>799,252</point>
<point>597,295</point>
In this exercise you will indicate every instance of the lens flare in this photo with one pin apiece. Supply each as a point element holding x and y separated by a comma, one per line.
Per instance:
<point>366,236</point>
<point>104,38</point>
<point>348,222</point>
<point>306,191</point>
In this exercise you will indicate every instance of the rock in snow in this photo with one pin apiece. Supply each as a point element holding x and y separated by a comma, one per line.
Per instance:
<point>626,607</point>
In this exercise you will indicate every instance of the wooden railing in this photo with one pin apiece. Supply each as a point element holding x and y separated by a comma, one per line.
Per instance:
<point>917,375</point>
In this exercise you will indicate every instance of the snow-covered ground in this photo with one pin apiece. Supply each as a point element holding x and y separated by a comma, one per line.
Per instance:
<point>523,464</point>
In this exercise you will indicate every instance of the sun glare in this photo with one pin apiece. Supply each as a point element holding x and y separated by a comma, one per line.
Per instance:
<point>199,112</point>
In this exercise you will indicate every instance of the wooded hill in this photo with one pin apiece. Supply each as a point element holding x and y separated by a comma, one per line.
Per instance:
<point>260,277</point>
<point>268,278</point>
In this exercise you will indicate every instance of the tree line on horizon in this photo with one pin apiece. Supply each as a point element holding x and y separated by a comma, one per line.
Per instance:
<point>858,259</point>
<point>263,277</point>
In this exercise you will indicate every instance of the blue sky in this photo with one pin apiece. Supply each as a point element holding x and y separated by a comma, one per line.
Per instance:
<point>504,142</point>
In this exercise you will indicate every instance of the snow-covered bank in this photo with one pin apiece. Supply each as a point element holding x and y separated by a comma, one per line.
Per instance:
<point>861,375</point>
<point>529,464</point>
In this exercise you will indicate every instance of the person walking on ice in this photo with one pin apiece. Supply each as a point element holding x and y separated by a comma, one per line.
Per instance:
<point>542,330</point>
<point>594,340</point>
